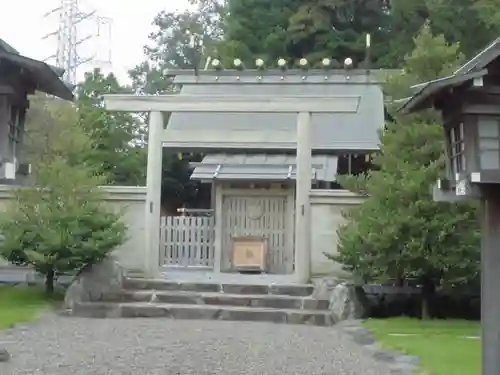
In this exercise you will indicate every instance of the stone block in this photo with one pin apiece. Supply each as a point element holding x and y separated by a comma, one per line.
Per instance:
<point>95,283</point>
<point>245,289</point>
<point>4,355</point>
<point>347,301</point>
<point>292,290</point>
<point>168,285</point>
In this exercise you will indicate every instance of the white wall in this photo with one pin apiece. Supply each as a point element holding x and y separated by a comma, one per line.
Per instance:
<point>326,209</point>
<point>131,202</point>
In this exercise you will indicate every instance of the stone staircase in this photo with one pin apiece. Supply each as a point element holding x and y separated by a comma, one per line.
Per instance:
<point>293,304</point>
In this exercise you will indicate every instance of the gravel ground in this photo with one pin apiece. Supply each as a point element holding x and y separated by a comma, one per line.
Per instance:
<point>77,346</point>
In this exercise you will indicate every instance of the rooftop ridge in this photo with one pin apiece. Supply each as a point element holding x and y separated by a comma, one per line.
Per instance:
<point>278,76</point>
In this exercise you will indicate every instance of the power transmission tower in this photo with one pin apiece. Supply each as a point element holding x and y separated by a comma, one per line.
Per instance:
<point>69,39</point>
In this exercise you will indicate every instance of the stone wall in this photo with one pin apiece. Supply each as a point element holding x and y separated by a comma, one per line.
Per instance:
<point>326,213</point>
<point>131,202</point>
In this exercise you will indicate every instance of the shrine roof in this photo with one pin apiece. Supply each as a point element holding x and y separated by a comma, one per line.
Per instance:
<point>263,167</point>
<point>423,98</point>
<point>482,59</point>
<point>354,127</point>
<point>474,68</point>
<point>43,77</point>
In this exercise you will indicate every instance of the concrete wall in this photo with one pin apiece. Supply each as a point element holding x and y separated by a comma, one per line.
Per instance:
<point>326,212</point>
<point>131,202</point>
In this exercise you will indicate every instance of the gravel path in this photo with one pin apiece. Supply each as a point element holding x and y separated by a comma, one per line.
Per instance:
<point>72,346</point>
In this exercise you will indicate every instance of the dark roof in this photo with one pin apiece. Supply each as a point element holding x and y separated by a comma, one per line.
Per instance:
<point>482,59</point>
<point>354,128</point>
<point>45,78</point>
<point>478,62</point>
<point>423,97</point>
<point>4,46</point>
<point>261,167</point>
<point>473,68</point>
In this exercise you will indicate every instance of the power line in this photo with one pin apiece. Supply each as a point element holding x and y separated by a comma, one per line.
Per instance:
<point>70,41</point>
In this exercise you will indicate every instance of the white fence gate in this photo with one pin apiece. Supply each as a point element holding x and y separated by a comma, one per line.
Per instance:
<point>187,241</point>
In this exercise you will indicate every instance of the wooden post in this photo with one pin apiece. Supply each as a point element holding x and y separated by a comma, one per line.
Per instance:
<point>302,201</point>
<point>153,197</point>
<point>490,281</point>
<point>218,258</point>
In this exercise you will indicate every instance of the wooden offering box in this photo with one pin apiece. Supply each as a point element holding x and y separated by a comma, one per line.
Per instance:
<point>249,253</point>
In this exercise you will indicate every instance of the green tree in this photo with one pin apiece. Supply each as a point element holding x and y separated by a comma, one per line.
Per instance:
<point>488,11</point>
<point>45,120</point>
<point>258,28</point>
<point>337,29</point>
<point>406,19</point>
<point>467,26</point>
<point>468,22</point>
<point>171,47</point>
<point>313,29</point>
<point>59,224</point>
<point>117,136</point>
<point>400,232</point>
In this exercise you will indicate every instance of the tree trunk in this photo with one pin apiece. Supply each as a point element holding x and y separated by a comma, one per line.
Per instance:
<point>400,280</point>
<point>49,282</point>
<point>427,295</point>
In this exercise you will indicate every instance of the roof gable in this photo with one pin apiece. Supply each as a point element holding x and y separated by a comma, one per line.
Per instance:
<point>45,78</point>
<point>354,126</point>
<point>422,99</point>
<point>6,47</point>
<point>474,68</point>
<point>269,167</point>
<point>482,59</point>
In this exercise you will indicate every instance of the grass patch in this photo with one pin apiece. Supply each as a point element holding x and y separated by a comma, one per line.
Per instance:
<point>21,304</point>
<point>440,344</point>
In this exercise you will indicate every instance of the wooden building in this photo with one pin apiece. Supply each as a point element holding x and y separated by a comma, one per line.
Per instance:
<point>269,137</point>
<point>20,77</point>
<point>469,102</point>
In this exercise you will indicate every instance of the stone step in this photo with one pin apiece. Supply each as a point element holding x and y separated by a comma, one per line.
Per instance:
<point>279,301</point>
<point>297,290</point>
<point>206,312</point>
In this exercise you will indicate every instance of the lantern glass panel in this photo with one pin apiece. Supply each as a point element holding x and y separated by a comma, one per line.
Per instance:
<point>489,143</point>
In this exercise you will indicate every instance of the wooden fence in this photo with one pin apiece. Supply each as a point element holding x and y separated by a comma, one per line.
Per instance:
<point>187,241</point>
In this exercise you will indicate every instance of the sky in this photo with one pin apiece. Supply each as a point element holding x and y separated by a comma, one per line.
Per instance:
<point>24,26</point>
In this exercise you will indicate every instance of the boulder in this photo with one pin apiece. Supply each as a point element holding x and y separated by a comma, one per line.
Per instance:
<point>95,282</point>
<point>4,355</point>
<point>347,301</point>
<point>324,286</point>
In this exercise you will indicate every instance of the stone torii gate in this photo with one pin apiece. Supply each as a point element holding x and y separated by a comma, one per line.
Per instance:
<point>303,106</point>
